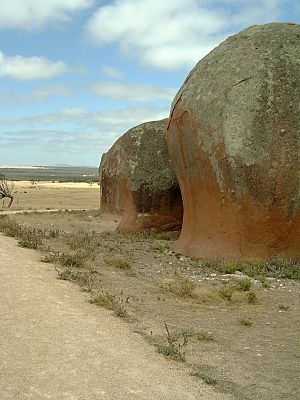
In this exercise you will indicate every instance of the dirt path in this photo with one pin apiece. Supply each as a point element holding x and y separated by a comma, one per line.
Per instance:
<point>55,345</point>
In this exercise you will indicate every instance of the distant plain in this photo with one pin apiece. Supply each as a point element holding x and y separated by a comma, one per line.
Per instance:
<point>44,188</point>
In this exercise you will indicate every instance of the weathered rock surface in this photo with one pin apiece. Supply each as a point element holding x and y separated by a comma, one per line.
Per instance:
<point>138,181</point>
<point>234,140</point>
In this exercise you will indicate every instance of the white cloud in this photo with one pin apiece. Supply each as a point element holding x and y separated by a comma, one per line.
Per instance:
<point>30,68</point>
<point>175,33</point>
<point>112,72</point>
<point>34,14</point>
<point>133,92</point>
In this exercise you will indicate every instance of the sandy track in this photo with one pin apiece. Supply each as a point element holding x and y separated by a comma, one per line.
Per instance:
<point>55,345</point>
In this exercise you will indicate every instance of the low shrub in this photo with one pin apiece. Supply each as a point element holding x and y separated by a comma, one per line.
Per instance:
<point>226,292</point>
<point>246,321</point>
<point>119,263</point>
<point>180,286</point>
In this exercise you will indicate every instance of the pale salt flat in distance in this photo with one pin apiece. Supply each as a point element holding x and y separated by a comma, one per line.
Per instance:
<point>56,185</point>
<point>23,167</point>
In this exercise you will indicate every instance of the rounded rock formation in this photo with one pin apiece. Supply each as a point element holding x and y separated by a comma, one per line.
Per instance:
<point>234,140</point>
<point>138,182</point>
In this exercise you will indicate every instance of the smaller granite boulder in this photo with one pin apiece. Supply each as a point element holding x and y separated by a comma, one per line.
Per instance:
<point>138,182</point>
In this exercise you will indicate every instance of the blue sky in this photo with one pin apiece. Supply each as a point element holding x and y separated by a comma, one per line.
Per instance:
<point>76,74</point>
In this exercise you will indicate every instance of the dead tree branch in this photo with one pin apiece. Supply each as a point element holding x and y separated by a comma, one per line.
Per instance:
<point>6,189</point>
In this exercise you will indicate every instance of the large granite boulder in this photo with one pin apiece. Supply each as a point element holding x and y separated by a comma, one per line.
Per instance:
<point>138,182</point>
<point>234,140</point>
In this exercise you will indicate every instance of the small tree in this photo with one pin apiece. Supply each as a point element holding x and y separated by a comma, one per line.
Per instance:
<point>6,189</point>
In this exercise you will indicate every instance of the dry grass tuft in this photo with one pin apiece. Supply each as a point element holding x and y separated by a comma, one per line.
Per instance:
<point>180,286</point>
<point>118,263</point>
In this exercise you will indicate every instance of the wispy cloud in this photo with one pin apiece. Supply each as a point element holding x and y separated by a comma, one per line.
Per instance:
<point>112,72</point>
<point>35,14</point>
<point>52,90</point>
<point>175,34</point>
<point>75,129</point>
<point>54,140</point>
<point>133,92</point>
<point>38,95</point>
<point>120,119</point>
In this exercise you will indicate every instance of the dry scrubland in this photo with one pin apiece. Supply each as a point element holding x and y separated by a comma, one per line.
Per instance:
<point>234,326</point>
